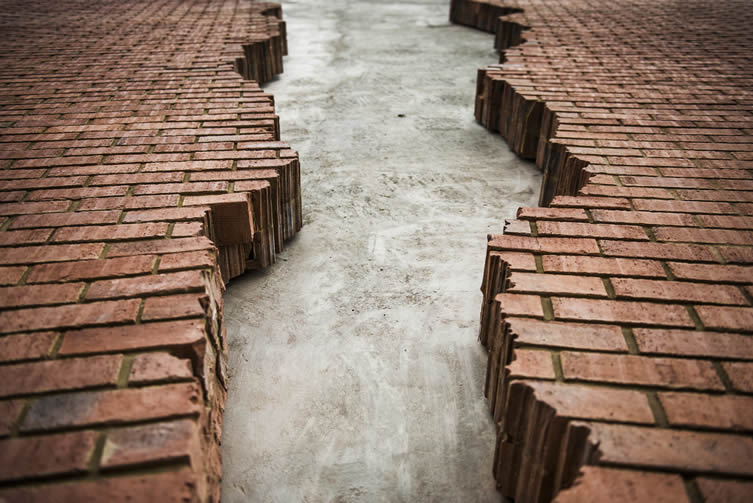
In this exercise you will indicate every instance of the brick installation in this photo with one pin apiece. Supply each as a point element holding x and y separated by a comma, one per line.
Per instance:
<point>617,316</point>
<point>139,172</point>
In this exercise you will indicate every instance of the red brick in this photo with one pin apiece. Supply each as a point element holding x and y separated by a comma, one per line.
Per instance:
<point>160,246</point>
<point>614,203</point>
<point>159,201</point>
<point>602,266</point>
<point>544,245</point>
<point>238,174</point>
<point>77,315</point>
<point>10,410</point>
<point>512,304</point>
<point>11,275</point>
<point>182,188</point>
<point>659,448</point>
<point>159,367</point>
<point>531,364</point>
<point>32,236</point>
<point>574,214</point>
<point>38,295</point>
<point>726,221</point>
<point>650,161</point>
<point>725,491</point>
<point>65,453</point>
<point>55,375</point>
<point>546,284</point>
<point>51,253</point>
<point>640,370</point>
<point>165,214</point>
<point>696,235</point>
<point>91,269</point>
<point>626,192</point>
<point>620,311</point>
<point>643,217</point>
<point>146,158</point>
<point>517,227</point>
<point>187,260</point>
<point>189,166</point>
<point>591,230</point>
<point>39,183</point>
<point>597,484</point>
<point>737,254</point>
<point>672,251</point>
<point>21,174</point>
<point>666,181</point>
<point>66,219</point>
<point>705,173</point>
<point>78,193</point>
<point>517,261</point>
<point>103,203</point>
<point>146,285</point>
<point>567,335</point>
<point>111,232</point>
<point>693,343</point>
<point>188,229</point>
<point>712,195</point>
<point>592,402</point>
<point>163,125</point>
<point>709,411</point>
<point>26,208</point>
<point>712,272</point>
<point>677,291</point>
<point>232,154</point>
<point>173,306</point>
<point>619,170</point>
<point>153,443</point>
<point>166,487</point>
<point>603,151</point>
<point>741,375</point>
<point>113,407</point>
<point>126,338</point>
<point>94,170</point>
<point>726,318</point>
<point>26,347</point>
<point>683,206</point>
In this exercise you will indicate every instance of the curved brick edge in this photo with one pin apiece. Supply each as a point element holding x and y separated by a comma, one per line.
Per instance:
<point>606,378</point>
<point>138,174</point>
<point>262,57</point>
<point>503,103</point>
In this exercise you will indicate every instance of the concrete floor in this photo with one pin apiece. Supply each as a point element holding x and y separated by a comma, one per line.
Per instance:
<point>356,374</point>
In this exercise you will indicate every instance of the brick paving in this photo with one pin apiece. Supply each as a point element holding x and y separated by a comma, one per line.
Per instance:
<point>139,173</point>
<point>618,315</point>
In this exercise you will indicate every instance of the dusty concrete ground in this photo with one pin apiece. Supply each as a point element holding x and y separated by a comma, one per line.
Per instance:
<point>356,372</point>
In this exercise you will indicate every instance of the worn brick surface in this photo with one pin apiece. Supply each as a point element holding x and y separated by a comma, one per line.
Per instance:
<point>141,168</point>
<point>634,275</point>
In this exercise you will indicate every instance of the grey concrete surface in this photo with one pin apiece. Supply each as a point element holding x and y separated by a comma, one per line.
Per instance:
<point>356,374</point>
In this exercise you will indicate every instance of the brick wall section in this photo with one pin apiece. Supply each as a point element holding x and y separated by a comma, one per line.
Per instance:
<point>138,173</point>
<point>618,315</point>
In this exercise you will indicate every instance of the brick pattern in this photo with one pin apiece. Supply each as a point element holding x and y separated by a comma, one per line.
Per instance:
<point>618,316</point>
<point>139,172</point>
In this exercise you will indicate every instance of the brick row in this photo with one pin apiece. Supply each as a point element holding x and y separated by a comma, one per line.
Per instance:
<point>141,169</point>
<point>618,316</point>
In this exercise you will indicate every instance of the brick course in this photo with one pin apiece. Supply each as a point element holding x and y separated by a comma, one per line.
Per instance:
<point>139,172</point>
<point>618,316</point>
